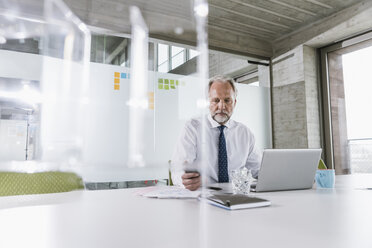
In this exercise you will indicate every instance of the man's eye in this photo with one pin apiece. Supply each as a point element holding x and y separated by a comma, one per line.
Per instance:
<point>228,101</point>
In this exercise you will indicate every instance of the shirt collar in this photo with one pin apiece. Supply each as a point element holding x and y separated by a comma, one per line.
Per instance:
<point>215,124</point>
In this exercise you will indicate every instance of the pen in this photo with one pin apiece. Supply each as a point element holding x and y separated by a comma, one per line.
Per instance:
<point>214,188</point>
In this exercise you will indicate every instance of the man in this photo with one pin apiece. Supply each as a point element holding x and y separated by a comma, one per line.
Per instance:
<point>230,145</point>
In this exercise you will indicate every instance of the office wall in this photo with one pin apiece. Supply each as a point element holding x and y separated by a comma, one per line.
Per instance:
<point>109,113</point>
<point>226,64</point>
<point>105,122</point>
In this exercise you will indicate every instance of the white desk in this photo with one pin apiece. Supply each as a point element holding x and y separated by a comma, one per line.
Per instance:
<point>340,217</point>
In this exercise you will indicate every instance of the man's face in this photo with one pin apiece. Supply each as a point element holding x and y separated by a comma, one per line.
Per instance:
<point>221,101</point>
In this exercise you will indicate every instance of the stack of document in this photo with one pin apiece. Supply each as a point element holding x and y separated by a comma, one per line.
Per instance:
<point>168,192</point>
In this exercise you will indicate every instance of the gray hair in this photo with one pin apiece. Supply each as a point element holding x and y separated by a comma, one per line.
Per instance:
<point>223,79</point>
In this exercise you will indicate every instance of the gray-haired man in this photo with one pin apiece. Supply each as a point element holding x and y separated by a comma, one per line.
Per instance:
<point>231,145</point>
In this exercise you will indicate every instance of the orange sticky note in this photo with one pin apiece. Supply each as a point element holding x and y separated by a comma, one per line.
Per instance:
<point>116,87</point>
<point>117,74</point>
<point>117,80</point>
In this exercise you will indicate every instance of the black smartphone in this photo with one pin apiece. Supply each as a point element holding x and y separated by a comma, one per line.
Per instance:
<point>193,171</point>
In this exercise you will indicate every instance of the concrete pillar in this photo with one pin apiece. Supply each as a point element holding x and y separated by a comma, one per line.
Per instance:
<point>264,75</point>
<point>312,103</point>
<point>295,100</point>
<point>338,113</point>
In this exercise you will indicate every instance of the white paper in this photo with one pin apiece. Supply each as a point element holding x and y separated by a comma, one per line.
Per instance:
<point>169,192</point>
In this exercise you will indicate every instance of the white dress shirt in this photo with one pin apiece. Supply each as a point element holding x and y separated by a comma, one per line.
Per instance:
<point>240,147</point>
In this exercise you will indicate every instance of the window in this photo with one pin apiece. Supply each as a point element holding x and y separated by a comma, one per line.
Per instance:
<point>347,97</point>
<point>163,58</point>
<point>193,53</point>
<point>171,57</point>
<point>178,56</point>
<point>110,50</point>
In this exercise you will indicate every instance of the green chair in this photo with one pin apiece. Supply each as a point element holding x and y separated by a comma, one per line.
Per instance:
<point>170,182</point>
<point>321,165</point>
<point>16,183</point>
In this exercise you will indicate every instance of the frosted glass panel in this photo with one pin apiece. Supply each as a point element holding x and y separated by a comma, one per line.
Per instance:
<point>172,100</point>
<point>253,109</point>
<point>41,96</point>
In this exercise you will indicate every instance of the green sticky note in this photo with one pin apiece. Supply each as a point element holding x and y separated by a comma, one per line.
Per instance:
<point>177,82</point>
<point>173,87</point>
<point>160,83</point>
<point>166,87</point>
<point>172,84</point>
<point>166,81</point>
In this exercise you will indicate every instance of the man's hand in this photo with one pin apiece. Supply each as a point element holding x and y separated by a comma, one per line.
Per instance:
<point>191,180</point>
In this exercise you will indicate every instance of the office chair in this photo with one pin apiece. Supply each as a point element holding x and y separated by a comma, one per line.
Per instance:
<point>321,165</point>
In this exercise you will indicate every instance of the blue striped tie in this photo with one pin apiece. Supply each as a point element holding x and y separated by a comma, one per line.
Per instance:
<point>223,174</point>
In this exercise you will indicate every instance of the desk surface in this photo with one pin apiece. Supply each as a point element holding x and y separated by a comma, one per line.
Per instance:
<point>340,217</point>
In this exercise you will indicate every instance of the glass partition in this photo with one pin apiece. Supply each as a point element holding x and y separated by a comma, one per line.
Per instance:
<point>95,116</point>
<point>44,58</point>
<point>88,121</point>
<point>136,109</point>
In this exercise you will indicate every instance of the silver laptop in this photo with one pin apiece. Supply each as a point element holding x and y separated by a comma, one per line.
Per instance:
<point>287,169</point>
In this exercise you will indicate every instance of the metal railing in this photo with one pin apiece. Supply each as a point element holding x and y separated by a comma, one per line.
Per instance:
<point>360,155</point>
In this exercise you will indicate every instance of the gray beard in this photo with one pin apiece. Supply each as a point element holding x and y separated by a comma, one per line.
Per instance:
<point>221,120</point>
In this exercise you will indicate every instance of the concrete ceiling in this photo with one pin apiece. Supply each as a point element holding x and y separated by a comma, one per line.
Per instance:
<point>256,28</point>
<point>273,21</point>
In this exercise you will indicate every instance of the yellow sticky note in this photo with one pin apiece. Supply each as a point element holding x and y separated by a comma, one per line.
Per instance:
<point>116,87</point>
<point>117,74</point>
<point>151,106</point>
<point>151,96</point>
<point>117,81</point>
